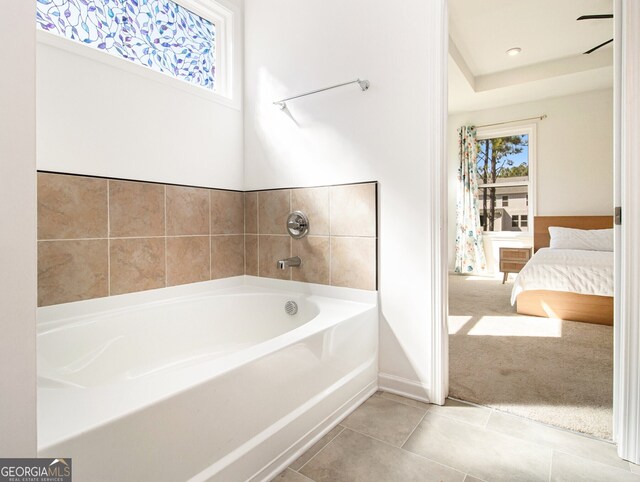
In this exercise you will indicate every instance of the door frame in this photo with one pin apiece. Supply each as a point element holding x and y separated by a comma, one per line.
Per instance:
<point>626,378</point>
<point>438,214</point>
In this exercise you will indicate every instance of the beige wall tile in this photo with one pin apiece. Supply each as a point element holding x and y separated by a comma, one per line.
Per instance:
<point>74,206</point>
<point>136,209</point>
<point>353,263</point>
<point>72,271</point>
<point>71,207</point>
<point>270,250</point>
<point>314,253</point>
<point>353,210</point>
<point>187,210</point>
<point>227,212</point>
<point>251,255</point>
<point>136,264</point>
<point>273,209</point>
<point>314,202</point>
<point>251,212</point>
<point>227,256</point>
<point>188,260</point>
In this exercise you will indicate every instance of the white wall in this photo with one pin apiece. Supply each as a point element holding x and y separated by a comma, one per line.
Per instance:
<point>574,169</point>
<point>346,135</point>
<point>101,115</point>
<point>18,228</point>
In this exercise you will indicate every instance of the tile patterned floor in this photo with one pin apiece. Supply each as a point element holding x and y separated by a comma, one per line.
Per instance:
<point>391,438</point>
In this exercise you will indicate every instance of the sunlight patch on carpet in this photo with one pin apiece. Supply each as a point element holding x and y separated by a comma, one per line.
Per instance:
<point>517,326</point>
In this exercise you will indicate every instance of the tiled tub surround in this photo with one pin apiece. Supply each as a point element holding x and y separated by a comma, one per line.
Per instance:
<point>99,237</point>
<point>340,249</point>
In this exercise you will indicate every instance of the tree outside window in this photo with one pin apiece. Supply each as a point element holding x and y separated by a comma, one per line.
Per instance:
<point>503,171</point>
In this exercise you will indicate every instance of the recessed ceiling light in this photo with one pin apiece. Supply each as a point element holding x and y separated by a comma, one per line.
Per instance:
<point>514,51</point>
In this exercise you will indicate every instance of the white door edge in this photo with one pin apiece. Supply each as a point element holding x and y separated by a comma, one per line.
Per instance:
<point>627,320</point>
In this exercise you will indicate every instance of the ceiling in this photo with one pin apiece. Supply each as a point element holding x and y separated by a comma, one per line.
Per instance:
<point>551,64</point>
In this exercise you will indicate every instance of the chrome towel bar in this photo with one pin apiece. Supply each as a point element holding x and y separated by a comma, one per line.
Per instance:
<point>364,85</point>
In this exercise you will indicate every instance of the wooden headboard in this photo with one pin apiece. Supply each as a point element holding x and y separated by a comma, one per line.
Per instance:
<point>541,237</point>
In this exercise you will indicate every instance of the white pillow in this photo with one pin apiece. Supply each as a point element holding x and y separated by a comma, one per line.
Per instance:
<point>586,239</point>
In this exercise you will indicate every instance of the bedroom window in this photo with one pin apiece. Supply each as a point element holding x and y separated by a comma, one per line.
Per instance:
<point>504,178</point>
<point>161,35</point>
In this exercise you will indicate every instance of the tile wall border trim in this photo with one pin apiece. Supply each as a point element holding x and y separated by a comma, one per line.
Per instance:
<point>317,186</point>
<point>94,176</point>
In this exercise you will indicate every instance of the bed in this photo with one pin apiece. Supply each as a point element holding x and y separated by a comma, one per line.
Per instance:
<point>569,284</point>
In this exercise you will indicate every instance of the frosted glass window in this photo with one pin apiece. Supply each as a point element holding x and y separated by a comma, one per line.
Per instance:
<point>158,34</point>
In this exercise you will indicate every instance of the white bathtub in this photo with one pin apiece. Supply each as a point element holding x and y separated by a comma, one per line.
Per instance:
<point>210,381</point>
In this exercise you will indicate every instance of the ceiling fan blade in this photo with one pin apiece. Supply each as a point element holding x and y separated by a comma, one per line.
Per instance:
<point>594,17</point>
<point>598,46</point>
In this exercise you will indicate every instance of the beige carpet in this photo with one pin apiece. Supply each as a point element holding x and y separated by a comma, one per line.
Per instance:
<point>556,372</point>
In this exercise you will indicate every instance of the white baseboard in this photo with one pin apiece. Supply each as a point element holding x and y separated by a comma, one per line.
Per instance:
<point>404,387</point>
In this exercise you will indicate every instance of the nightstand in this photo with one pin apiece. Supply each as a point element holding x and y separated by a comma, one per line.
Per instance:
<point>512,260</point>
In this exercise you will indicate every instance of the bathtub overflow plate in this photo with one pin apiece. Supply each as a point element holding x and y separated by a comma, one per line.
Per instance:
<point>291,307</point>
<point>297,224</point>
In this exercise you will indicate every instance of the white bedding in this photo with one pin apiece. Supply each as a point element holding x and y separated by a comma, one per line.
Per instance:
<point>573,270</point>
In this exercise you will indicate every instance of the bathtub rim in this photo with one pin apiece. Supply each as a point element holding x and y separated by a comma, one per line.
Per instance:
<point>112,304</point>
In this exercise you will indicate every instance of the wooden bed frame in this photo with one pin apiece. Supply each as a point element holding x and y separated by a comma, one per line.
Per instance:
<point>561,304</point>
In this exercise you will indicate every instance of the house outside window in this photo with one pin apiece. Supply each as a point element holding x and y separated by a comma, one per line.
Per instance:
<point>504,166</point>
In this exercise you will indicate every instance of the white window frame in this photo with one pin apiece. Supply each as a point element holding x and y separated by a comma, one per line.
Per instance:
<point>222,17</point>
<point>530,131</point>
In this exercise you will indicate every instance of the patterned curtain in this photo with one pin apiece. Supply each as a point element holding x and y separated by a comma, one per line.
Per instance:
<point>469,250</point>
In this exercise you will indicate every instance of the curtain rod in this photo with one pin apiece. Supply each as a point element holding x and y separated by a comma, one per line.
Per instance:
<point>539,117</point>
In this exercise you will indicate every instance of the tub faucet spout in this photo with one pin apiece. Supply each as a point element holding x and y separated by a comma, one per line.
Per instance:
<point>289,262</point>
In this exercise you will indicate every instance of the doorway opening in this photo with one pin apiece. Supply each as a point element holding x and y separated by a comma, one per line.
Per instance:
<point>530,170</point>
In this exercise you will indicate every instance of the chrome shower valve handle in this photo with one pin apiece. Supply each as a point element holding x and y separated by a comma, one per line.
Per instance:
<point>297,225</point>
